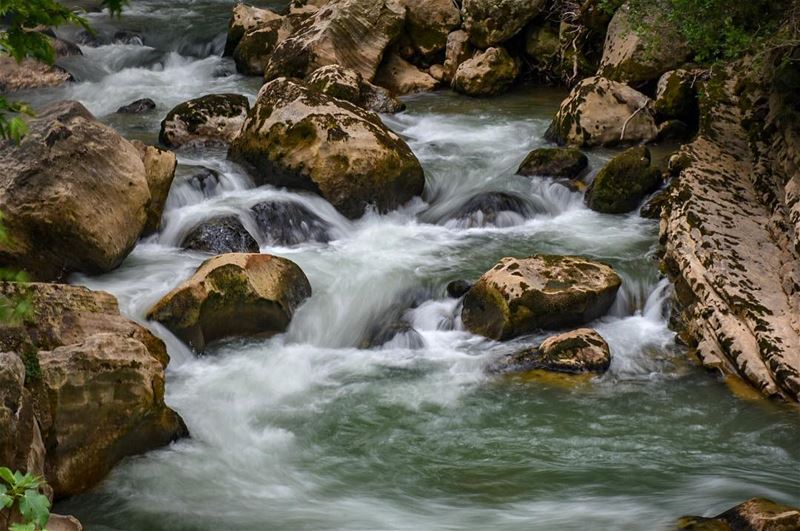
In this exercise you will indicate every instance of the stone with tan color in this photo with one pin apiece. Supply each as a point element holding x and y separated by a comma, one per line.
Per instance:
<point>207,120</point>
<point>577,351</point>
<point>401,77</point>
<point>486,74</point>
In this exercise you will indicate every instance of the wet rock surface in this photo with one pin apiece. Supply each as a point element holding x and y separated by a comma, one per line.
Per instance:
<point>220,235</point>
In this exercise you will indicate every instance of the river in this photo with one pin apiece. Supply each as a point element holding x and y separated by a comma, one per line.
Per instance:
<point>308,430</point>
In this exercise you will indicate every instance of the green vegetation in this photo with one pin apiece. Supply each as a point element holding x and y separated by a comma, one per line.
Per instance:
<point>21,493</point>
<point>21,37</point>
<point>11,310</point>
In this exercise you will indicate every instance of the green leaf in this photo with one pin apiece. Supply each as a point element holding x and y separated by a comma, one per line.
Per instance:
<point>7,476</point>
<point>5,500</point>
<point>34,507</point>
<point>30,526</point>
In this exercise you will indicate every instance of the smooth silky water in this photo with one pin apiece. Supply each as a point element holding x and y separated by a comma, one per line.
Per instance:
<point>307,430</point>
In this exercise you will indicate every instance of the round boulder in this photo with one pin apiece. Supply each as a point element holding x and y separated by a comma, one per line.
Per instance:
<point>601,112</point>
<point>563,163</point>
<point>624,182</point>
<point>578,351</point>
<point>487,73</point>
<point>220,235</point>
<point>211,119</point>
<point>348,85</point>
<point>300,138</point>
<point>232,295</point>
<point>520,296</point>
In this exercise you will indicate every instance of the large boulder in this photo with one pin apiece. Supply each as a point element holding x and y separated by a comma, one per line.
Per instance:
<point>676,96</point>
<point>254,49</point>
<point>243,19</point>
<point>401,77</point>
<point>578,351</point>
<point>486,73</point>
<point>300,138</point>
<point>345,84</point>
<point>96,379</point>
<point>492,22</point>
<point>520,296</point>
<point>210,119</point>
<point>755,514</point>
<point>74,195</point>
<point>289,223</point>
<point>224,234</point>
<point>29,74</point>
<point>159,169</point>
<point>640,47</point>
<point>350,33</point>
<point>561,163</point>
<point>458,50</point>
<point>624,182</point>
<point>601,112</point>
<point>428,23</point>
<point>232,295</point>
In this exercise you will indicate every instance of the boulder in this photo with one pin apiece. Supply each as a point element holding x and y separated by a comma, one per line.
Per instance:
<point>243,19</point>
<point>159,167</point>
<point>289,223</point>
<point>487,73</point>
<point>401,77</point>
<point>601,112</point>
<point>350,33</point>
<point>755,514</point>
<point>428,23</point>
<point>233,295</point>
<point>300,138</point>
<point>520,296</point>
<point>655,205</point>
<point>458,288</point>
<point>578,351</point>
<point>488,208</point>
<point>29,74</point>
<point>138,107</point>
<point>254,49</point>
<point>97,379</point>
<point>21,445</point>
<point>641,47</point>
<point>563,163</point>
<point>457,51</point>
<point>676,96</point>
<point>210,119</point>
<point>224,234</point>
<point>348,85</point>
<point>624,182</point>
<point>492,22</point>
<point>542,42</point>
<point>206,181</point>
<point>74,195</point>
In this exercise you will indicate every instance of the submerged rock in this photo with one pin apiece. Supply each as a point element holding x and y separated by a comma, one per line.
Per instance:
<point>300,138</point>
<point>350,33</point>
<point>624,182</point>
<point>211,119</point>
<point>138,107</point>
<point>220,235</point>
<point>345,84</point>
<point>394,333</point>
<point>492,22</point>
<point>458,288</point>
<point>96,381</point>
<point>754,514</point>
<point>582,350</point>
<point>487,208</point>
<point>563,163</point>
<point>289,223</point>
<point>520,296</point>
<point>206,181</point>
<point>233,295</point>
<point>486,74</point>
<point>601,112</point>
<point>74,195</point>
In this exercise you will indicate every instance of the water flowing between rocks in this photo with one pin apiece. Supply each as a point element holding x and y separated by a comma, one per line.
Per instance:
<point>311,430</point>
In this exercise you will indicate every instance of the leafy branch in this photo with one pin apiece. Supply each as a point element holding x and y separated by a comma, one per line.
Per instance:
<point>22,492</point>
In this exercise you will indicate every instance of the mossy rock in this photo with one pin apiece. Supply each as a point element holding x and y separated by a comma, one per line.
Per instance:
<point>210,119</point>
<point>624,182</point>
<point>492,22</point>
<point>756,513</point>
<point>676,97</point>
<point>578,351</point>
<point>220,235</point>
<point>565,163</point>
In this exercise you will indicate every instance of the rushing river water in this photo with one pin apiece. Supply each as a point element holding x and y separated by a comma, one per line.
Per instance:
<point>307,430</point>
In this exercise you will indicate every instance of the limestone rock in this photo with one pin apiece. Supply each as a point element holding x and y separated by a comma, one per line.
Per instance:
<point>757,514</point>
<point>220,235</point>
<point>21,445</point>
<point>520,296</point>
<point>300,138</point>
<point>348,85</point>
<point>676,96</point>
<point>428,23</point>
<point>401,77</point>
<point>254,49</point>
<point>243,19</point>
<point>485,74</point>
<point>582,350</point>
<point>29,74</point>
<point>232,295</point>
<point>159,167</point>
<point>350,33</point>
<point>564,163</point>
<point>211,119</point>
<point>492,22</point>
<point>74,195</point>
<point>601,112</point>
<point>624,182</point>
<point>457,51</point>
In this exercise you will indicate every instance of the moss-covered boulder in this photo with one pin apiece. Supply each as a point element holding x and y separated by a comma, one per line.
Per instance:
<point>210,119</point>
<point>492,22</point>
<point>300,138</point>
<point>345,84</point>
<point>458,50</point>
<point>562,163</point>
<point>486,74</point>
<point>624,182</point>
<point>756,513</point>
<point>428,23</point>
<point>578,351</point>
<point>220,235</point>
<point>233,295</point>
<point>257,44</point>
<point>601,112</point>
<point>519,296</point>
<point>350,33</point>
<point>74,195</point>
<point>640,47</point>
<point>676,96</point>
<point>245,18</point>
